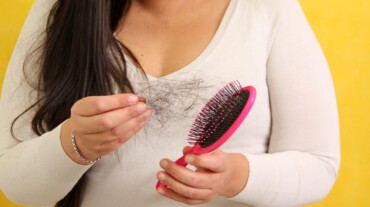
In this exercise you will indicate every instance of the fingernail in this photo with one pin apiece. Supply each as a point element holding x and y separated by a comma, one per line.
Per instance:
<point>148,113</point>
<point>161,191</point>
<point>142,99</point>
<point>161,176</point>
<point>163,163</point>
<point>189,159</point>
<point>132,99</point>
<point>141,108</point>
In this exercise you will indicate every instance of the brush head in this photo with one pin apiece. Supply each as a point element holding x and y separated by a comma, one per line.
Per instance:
<point>218,115</point>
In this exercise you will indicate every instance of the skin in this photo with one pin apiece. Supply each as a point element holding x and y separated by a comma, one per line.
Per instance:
<point>217,174</point>
<point>167,35</point>
<point>164,36</point>
<point>102,124</point>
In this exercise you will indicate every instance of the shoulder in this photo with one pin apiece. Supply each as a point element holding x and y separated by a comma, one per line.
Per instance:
<point>276,14</point>
<point>277,6</point>
<point>276,9</point>
<point>272,11</point>
<point>272,8</point>
<point>35,24</point>
<point>39,12</point>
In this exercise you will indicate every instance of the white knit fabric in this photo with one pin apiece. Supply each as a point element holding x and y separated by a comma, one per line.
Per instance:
<point>291,136</point>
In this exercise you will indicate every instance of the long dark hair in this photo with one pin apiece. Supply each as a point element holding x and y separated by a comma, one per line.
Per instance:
<point>79,57</point>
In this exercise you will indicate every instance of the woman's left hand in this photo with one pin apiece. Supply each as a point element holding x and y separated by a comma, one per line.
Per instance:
<point>217,174</point>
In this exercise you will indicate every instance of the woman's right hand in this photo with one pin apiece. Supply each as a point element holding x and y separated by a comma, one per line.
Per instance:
<point>102,124</point>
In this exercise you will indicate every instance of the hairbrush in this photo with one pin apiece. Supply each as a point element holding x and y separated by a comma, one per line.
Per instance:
<point>219,119</point>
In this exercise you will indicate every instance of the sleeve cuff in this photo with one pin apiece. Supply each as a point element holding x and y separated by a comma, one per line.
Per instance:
<point>55,162</point>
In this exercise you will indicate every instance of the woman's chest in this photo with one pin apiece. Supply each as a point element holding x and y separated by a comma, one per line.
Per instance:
<point>163,44</point>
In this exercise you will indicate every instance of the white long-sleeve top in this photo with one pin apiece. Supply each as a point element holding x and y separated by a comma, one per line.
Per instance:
<point>290,137</point>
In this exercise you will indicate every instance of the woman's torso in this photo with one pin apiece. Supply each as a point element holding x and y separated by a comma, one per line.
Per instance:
<point>238,51</point>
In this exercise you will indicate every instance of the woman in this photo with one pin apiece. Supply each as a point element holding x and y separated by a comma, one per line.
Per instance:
<point>124,80</point>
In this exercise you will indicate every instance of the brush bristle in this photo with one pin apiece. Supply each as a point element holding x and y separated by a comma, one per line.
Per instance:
<point>218,115</point>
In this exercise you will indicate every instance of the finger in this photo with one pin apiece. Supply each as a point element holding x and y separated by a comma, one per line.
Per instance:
<point>120,131</point>
<point>215,162</point>
<point>116,133</point>
<point>106,121</point>
<point>94,105</point>
<point>175,196</point>
<point>196,179</point>
<point>115,144</point>
<point>184,190</point>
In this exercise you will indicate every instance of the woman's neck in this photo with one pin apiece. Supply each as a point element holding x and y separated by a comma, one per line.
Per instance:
<point>167,8</point>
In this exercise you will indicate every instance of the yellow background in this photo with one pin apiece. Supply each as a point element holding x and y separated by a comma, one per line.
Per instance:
<point>343,29</point>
